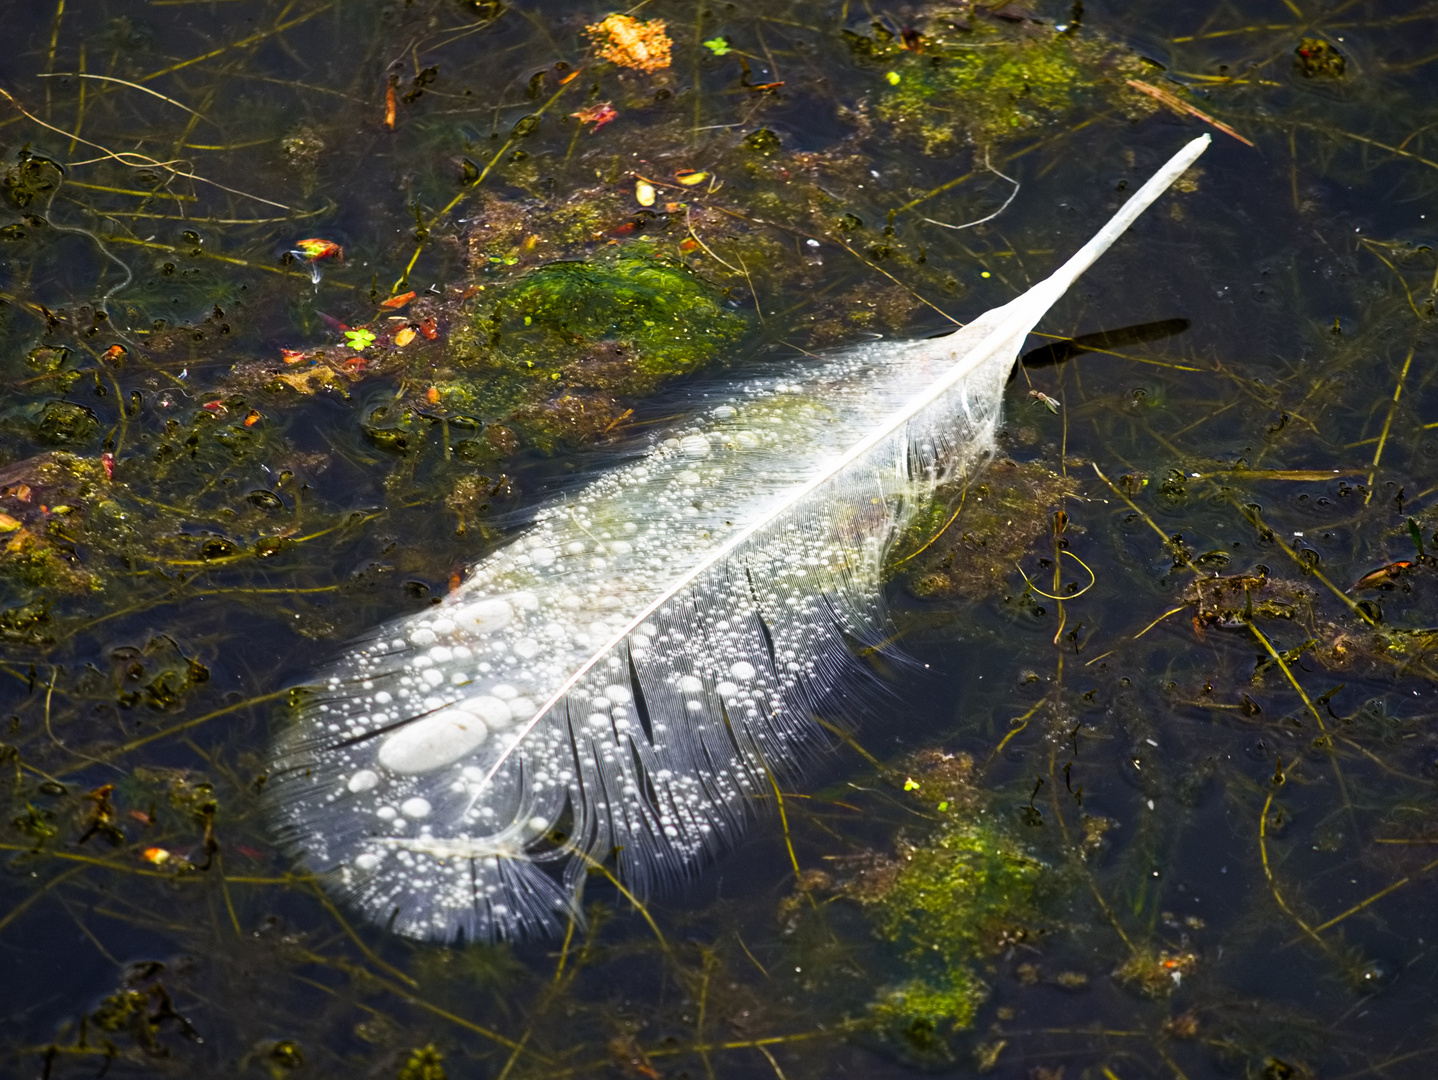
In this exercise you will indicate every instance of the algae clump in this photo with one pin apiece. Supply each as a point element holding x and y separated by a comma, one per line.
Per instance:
<point>948,901</point>
<point>659,318</point>
<point>988,78</point>
<point>559,351</point>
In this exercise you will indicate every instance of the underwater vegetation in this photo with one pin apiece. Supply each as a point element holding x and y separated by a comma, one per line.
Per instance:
<point>1179,636</point>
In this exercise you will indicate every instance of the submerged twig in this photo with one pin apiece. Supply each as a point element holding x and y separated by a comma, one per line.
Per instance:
<point>990,217</point>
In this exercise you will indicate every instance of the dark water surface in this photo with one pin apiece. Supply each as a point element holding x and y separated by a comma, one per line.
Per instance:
<point>1206,784</point>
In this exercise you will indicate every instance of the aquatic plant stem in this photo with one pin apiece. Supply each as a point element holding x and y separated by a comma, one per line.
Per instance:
<point>1256,521</point>
<point>483,174</point>
<point>1388,421</point>
<point>1272,882</point>
<point>1379,895</point>
<point>1313,711</point>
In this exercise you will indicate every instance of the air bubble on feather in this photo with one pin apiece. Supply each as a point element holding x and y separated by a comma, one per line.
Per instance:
<point>434,741</point>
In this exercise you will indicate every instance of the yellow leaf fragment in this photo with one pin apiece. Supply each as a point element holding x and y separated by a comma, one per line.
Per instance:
<point>644,192</point>
<point>312,380</point>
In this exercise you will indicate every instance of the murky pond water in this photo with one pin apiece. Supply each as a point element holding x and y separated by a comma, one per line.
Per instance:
<point>1144,785</point>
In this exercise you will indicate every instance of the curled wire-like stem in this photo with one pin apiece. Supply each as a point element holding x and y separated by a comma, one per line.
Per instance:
<point>1092,579</point>
<point>970,224</point>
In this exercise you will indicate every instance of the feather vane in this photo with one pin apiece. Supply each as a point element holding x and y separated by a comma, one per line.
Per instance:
<point>620,680</point>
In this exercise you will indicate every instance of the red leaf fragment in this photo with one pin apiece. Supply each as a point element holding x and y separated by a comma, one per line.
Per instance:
<point>107,461</point>
<point>294,356</point>
<point>394,303</point>
<point>430,329</point>
<point>598,115</point>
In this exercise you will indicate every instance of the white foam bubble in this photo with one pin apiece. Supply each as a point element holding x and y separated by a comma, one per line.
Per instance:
<point>620,695</point>
<point>691,684</point>
<point>364,780</point>
<point>503,691</point>
<point>694,446</point>
<point>727,689</point>
<point>526,648</point>
<point>434,741</point>
<point>485,616</point>
<point>542,556</point>
<point>415,808</point>
<point>742,670</point>
<point>367,862</point>
<point>492,710</point>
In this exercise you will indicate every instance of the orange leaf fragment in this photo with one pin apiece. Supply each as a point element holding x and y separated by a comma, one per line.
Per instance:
<point>598,115</point>
<point>114,354</point>
<point>625,41</point>
<point>156,856</point>
<point>315,248</point>
<point>404,336</point>
<point>394,303</point>
<point>389,103</point>
<point>570,77</point>
<point>1381,575</point>
<point>294,356</point>
<point>252,418</point>
<point>432,394</point>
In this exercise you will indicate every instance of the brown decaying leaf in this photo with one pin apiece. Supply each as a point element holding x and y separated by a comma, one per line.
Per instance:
<point>1184,108</point>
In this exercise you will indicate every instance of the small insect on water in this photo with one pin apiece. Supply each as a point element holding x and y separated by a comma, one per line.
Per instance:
<point>1043,399</point>
<point>627,679</point>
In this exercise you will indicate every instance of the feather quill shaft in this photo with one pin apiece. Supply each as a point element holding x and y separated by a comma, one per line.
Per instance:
<point>621,680</point>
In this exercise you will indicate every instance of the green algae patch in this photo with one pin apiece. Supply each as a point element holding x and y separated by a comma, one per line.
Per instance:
<point>948,901</point>
<point>561,351</point>
<point>640,318</point>
<point>985,78</point>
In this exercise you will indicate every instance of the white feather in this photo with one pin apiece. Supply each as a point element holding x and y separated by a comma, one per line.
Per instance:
<point>626,671</point>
